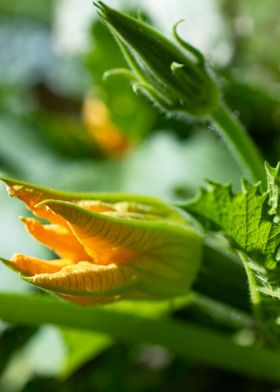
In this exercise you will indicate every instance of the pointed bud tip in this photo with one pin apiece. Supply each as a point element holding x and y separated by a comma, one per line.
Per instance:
<point>102,8</point>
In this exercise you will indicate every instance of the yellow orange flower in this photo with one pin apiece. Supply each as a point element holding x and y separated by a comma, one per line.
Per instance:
<point>107,135</point>
<point>110,246</point>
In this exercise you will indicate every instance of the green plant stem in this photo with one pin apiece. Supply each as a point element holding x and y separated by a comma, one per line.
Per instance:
<point>185,339</point>
<point>239,143</point>
<point>254,293</point>
<point>265,335</point>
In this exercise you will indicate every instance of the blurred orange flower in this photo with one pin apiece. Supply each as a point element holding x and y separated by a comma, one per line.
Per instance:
<point>108,136</point>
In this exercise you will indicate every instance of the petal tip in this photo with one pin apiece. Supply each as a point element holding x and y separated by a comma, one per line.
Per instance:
<point>9,263</point>
<point>10,182</point>
<point>5,179</point>
<point>5,261</point>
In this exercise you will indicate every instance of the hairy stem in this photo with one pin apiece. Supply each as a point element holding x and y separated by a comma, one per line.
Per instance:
<point>266,333</point>
<point>185,339</point>
<point>254,293</point>
<point>239,143</point>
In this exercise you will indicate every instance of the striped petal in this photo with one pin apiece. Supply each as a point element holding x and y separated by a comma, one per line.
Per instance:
<point>85,278</point>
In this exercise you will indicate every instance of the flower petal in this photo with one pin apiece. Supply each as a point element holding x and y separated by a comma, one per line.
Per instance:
<point>58,238</point>
<point>29,266</point>
<point>104,238</point>
<point>86,278</point>
<point>32,195</point>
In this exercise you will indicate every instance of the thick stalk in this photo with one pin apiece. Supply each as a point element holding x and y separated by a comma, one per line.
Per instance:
<point>239,143</point>
<point>185,339</point>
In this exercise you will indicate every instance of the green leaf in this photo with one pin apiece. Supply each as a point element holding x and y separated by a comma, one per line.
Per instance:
<point>273,186</point>
<point>250,221</point>
<point>244,218</point>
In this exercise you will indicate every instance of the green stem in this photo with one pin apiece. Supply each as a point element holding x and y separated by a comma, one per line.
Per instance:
<point>254,293</point>
<point>185,339</point>
<point>265,334</point>
<point>239,143</point>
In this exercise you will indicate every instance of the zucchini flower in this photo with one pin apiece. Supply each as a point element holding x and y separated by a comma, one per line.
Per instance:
<point>109,246</point>
<point>174,78</point>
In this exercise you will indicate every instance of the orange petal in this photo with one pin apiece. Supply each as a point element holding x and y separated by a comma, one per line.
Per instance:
<point>103,238</point>
<point>29,266</point>
<point>58,238</point>
<point>31,197</point>
<point>84,277</point>
<point>102,250</point>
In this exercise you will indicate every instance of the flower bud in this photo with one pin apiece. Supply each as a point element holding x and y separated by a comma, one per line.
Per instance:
<point>109,246</point>
<point>176,80</point>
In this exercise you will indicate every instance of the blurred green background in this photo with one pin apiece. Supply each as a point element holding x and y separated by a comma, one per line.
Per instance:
<point>62,126</point>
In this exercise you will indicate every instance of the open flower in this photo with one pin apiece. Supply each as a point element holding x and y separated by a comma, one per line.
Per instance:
<point>110,246</point>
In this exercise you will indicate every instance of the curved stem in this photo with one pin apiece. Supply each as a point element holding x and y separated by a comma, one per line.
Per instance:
<point>239,143</point>
<point>185,339</point>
